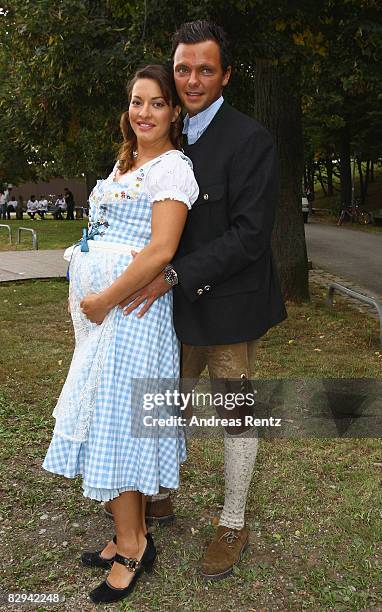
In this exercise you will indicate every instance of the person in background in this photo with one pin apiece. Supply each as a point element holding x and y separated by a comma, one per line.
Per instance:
<point>42,208</point>
<point>3,205</point>
<point>59,207</point>
<point>7,195</point>
<point>310,197</point>
<point>32,206</point>
<point>69,199</point>
<point>11,206</point>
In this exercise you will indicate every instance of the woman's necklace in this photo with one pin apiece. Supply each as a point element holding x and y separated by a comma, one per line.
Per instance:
<point>143,160</point>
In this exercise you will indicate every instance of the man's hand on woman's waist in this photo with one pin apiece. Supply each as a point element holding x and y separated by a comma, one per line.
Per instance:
<point>148,294</point>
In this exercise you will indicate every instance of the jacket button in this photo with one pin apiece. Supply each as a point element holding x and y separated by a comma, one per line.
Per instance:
<point>207,287</point>
<point>199,291</point>
<point>205,196</point>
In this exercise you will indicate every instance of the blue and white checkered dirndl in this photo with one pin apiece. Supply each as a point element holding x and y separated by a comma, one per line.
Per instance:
<point>92,435</point>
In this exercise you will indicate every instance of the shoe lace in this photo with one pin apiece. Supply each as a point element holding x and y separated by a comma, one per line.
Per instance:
<point>230,536</point>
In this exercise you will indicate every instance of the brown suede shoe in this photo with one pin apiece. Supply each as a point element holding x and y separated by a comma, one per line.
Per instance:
<point>160,512</point>
<point>224,552</point>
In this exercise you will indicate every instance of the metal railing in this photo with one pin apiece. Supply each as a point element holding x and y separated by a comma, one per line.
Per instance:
<point>8,227</point>
<point>357,296</point>
<point>34,235</point>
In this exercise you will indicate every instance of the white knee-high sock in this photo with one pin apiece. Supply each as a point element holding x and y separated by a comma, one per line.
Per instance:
<point>239,459</point>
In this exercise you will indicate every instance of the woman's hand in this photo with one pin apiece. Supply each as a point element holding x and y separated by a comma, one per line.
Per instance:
<point>94,307</point>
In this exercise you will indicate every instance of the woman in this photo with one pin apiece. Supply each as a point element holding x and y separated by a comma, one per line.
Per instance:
<point>142,206</point>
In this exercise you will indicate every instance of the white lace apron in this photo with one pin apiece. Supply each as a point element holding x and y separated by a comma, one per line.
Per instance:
<point>75,406</point>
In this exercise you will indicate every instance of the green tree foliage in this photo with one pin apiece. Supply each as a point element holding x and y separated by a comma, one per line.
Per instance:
<point>342,90</point>
<point>66,70</point>
<point>66,64</point>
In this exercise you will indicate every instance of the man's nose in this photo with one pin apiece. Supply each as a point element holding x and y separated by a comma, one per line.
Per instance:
<point>193,81</point>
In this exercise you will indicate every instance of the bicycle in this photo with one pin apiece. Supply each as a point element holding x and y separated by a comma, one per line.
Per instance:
<point>355,214</point>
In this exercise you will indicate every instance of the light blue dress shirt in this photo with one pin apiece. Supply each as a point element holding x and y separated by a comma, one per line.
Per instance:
<point>195,126</point>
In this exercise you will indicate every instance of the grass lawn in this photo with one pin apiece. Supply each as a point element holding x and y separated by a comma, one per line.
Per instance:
<point>314,507</point>
<point>51,234</point>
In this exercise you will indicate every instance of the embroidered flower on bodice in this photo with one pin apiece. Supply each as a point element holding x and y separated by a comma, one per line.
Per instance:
<point>98,223</point>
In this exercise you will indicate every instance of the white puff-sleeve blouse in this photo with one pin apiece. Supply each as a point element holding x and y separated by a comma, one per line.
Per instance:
<point>171,178</point>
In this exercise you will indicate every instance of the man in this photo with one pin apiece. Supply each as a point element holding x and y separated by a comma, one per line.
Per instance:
<point>69,200</point>
<point>3,203</point>
<point>226,291</point>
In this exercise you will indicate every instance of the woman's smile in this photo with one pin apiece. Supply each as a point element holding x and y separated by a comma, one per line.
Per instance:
<point>145,126</point>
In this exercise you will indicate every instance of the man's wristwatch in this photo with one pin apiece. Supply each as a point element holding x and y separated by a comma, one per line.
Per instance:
<point>170,276</point>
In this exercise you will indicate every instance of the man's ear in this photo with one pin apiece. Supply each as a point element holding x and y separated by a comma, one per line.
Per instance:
<point>227,76</point>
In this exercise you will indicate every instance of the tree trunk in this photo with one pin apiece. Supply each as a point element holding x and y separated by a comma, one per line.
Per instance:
<point>277,106</point>
<point>91,180</point>
<point>306,179</point>
<point>311,176</point>
<point>329,174</point>
<point>321,179</point>
<point>345,169</point>
<point>367,179</point>
<point>361,181</point>
<point>372,179</point>
<point>309,171</point>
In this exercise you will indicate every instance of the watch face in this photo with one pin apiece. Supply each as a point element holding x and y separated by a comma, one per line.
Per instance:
<point>171,277</point>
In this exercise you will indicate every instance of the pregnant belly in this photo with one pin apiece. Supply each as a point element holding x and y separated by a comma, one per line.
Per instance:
<point>94,271</point>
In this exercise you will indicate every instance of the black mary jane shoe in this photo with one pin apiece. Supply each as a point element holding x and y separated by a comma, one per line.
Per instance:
<point>150,554</point>
<point>105,593</point>
<point>95,559</point>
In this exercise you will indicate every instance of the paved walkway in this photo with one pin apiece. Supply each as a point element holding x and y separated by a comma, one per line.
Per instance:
<point>19,265</point>
<point>355,256</point>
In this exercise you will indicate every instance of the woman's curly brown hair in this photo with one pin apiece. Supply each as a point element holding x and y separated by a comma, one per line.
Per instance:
<point>164,77</point>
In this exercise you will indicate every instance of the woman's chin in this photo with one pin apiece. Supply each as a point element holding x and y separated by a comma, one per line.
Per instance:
<point>146,138</point>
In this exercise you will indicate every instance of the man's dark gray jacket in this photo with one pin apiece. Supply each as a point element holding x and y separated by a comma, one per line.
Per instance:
<point>228,288</point>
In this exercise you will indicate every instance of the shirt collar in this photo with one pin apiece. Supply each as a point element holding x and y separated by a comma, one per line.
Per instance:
<point>197,124</point>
